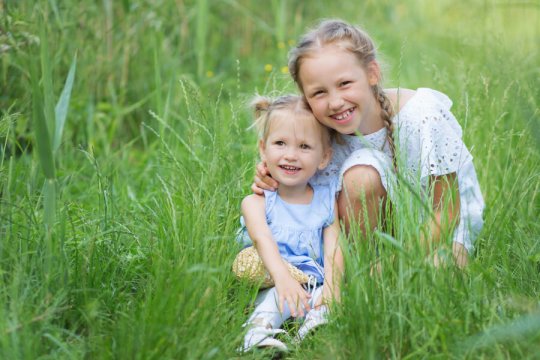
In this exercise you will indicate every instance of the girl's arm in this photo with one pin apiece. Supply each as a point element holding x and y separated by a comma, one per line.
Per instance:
<point>333,263</point>
<point>446,205</point>
<point>289,290</point>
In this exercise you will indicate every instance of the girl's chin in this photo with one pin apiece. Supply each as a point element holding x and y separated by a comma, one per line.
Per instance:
<point>346,130</point>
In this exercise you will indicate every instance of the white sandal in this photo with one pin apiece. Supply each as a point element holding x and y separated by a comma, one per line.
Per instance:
<point>314,319</point>
<point>262,337</point>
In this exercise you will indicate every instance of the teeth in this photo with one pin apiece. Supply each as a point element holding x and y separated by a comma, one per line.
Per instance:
<point>343,115</point>
<point>286,167</point>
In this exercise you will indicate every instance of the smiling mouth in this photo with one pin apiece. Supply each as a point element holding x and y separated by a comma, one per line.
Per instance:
<point>290,169</point>
<point>343,116</point>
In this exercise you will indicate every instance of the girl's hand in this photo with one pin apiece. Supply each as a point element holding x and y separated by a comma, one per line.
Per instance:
<point>291,292</point>
<point>263,180</point>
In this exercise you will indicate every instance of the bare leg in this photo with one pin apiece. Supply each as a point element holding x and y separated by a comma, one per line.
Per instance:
<point>461,256</point>
<point>359,183</point>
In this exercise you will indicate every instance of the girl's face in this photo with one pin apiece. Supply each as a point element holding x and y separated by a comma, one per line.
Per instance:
<point>293,150</point>
<point>338,90</point>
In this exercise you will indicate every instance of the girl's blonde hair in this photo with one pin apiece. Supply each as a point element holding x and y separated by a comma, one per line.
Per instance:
<point>266,109</point>
<point>352,39</point>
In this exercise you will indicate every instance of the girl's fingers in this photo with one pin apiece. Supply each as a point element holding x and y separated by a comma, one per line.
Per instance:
<point>256,190</point>
<point>298,303</point>
<point>292,306</point>
<point>261,170</point>
<point>300,306</point>
<point>268,180</point>
<point>263,179</point>
<point>281,304</point>
<point>261,184</point>
<point>305,302</point>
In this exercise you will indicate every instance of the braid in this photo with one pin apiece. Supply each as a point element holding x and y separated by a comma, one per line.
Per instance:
<point>387,112</point>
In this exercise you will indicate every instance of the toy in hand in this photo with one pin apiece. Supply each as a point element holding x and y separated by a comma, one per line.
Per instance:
<point>248,266</point>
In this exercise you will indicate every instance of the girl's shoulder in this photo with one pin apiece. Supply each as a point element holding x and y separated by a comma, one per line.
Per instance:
<point>405,100</point>
<point>423,110</point>
<point>399,97</point>
<point>429,132</point>
<point>421,99</point>
<point>253,201</point>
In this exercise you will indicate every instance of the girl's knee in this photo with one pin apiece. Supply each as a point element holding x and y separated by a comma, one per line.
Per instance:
<point>363,179</point>
<point>362,194</point>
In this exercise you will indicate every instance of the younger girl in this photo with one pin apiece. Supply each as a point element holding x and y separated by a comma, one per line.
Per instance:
<point>297,223</point>
<point>336,68</point>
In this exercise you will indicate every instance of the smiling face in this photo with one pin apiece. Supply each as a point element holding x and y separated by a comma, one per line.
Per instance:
<point>294,148</point>
<point>338,89</point>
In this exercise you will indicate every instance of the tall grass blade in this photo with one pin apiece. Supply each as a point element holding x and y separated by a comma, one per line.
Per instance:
<point>280,19</point>
<point>49,205</point>
<point>202,31</point>
<point>41,130</point>
<point>62,105</point>
<point>46,73</point>
<point>45,125</point>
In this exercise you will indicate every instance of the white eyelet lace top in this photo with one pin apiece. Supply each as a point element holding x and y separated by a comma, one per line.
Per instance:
<point>429,141</point>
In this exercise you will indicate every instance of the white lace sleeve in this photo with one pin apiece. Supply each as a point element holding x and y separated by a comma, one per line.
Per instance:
<point>431,137</point>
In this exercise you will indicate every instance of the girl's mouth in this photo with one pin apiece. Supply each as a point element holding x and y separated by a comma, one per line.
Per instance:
<point>344,116</point>
<point>289,169</point>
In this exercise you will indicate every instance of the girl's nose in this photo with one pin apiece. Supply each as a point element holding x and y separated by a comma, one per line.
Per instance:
<point>291,155</point>
<point>336,102</point>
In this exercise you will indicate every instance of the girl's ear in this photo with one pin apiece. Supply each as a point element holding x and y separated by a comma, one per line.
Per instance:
<point>326,158</point>
<point>262,147</point>
<point>373,73</point>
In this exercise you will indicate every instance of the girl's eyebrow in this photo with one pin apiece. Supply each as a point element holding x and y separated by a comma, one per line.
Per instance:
<point>343,77</point>
<point>314,89</point>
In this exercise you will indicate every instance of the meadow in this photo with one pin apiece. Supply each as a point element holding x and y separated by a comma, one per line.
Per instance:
<point>125,153</point>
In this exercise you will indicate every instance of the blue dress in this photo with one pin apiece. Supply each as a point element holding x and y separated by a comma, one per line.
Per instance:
<point>298,228</point>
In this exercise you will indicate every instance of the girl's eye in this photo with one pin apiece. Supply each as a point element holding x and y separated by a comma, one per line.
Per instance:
<point>345,83</point>
<point>317,93</point>
<point>279,143</point>
<point>305,147</point>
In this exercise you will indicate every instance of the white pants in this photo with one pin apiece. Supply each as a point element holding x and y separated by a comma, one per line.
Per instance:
<point>267,307</point>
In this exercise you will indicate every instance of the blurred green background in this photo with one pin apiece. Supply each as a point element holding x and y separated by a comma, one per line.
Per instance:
<point>131,54</point>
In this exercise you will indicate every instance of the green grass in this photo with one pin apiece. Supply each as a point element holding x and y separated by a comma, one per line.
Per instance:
<point>125,252</point>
